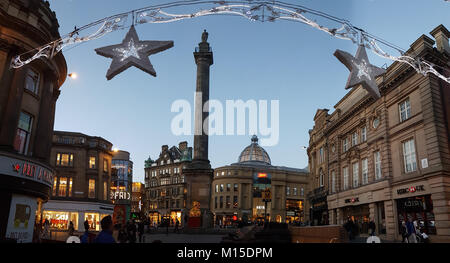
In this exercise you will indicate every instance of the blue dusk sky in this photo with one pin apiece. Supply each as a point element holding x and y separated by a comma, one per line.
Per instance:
<point>286,61</point>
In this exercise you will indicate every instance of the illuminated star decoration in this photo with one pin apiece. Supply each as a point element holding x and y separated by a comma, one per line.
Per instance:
<point>132,52</point>
<point>361,71</point>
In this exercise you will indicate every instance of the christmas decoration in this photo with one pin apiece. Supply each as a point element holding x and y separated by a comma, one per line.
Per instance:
<point>361,71</point>
<point>132,52</point>
<point>253,10</point>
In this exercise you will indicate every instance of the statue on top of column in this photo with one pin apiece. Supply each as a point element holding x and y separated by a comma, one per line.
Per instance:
<point>205,36</point>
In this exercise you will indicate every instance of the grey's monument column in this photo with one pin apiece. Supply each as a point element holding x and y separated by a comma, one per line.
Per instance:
<point>198,174</point>
<point>204,59</point>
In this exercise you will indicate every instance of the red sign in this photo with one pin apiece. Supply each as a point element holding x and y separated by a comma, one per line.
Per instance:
<point>262,175</point>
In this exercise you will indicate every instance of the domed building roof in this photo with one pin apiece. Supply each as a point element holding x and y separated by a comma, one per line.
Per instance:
<point>254,153</point>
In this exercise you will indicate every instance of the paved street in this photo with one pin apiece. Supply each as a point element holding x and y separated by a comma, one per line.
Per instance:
<point>182,238</point>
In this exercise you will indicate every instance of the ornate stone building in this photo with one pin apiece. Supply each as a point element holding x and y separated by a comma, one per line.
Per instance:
<point>237,190</point>
<point>389,159</point>
<point>28,97</point>
<point>165,185</point>
<point>81,185</point>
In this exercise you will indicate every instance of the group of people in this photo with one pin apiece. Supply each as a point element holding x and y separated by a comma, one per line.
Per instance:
<point>411,232</point>
<point>353,229</point>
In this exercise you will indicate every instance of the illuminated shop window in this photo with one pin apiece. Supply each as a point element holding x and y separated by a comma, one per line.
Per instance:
<point>64,159</point>
<point>62,191</point>
<point>70,187</point>
<point>105,165</point>
<point>92,162</point>
<point>55,181</point>
<point>91,188</point>
<point>93,220</point>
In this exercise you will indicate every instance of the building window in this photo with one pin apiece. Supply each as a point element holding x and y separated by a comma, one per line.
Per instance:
<point>91,188</point>
<point>55,181</point>
<point>365,171</point>
<point>228,187</point>
<point>64,159</point>
<point>228,202</point>
<point>105,165</point>
<point>295,192</point>
<point>321,179</point>
<point>23,133</point>
<point>345,144</point>
<point>62,191</point>
<point>405,110</point>
<point>354,139</point>
<point>409,156</point>
<point>355,174</point>
<point>215,202</point>
<point>32,81</point>
<point>105,190</point>
<point>321,155</point>
<point>377,161</point>
<point>92,162</point>
<point>302,191</point>
<point>221,188</point>
<point>235,187</point>
<point>345,175</point>
<point>221,202</point>
<point>217,188</point>
<point>364,134</point>
<point>288,190</point>
<point>235,202</point>
<point>70,187</point>
<point>333,181</point>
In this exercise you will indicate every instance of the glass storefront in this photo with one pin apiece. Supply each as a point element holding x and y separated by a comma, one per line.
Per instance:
<point>419,209</point>
<point>93,220</point>
<point>360,216</point>
<point>294,211</point>
<point>61,220</point>
<point>261,182</point>
<point>174,216</point>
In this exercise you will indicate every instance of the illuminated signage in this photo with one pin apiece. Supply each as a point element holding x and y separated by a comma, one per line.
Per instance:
<point>262,175</point>
<point>120,195</point>
<point>25,169</point>
<point>411,189</point>
<point>352,200</point>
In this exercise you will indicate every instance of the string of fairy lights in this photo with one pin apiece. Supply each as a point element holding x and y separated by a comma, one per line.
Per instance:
<point>253,10</point>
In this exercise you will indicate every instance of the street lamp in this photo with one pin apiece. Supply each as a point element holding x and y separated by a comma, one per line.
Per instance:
<point>73,75</point>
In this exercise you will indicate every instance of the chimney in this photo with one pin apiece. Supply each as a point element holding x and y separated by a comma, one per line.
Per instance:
<point>182,146</point>
<point>441,35</point>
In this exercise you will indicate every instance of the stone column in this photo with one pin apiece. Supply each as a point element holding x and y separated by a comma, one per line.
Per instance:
<point>44,130</point>
<point>441,207</point>
<point>332,219</point>
<point>15,82</point>
<point>391,220</point>
<point>204,59</point>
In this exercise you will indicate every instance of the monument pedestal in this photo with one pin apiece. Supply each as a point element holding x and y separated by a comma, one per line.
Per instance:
<point>198,176</point>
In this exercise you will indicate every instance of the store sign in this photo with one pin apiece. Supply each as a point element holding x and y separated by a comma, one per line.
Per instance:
<point>25,169</point>
<point>22,214</point>
<point>352,200</point>
<point>120,195</point>
<point>411,189</point>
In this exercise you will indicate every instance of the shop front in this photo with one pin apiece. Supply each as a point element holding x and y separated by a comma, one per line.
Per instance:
<point>413,201</point>
<point>60,213</point>
<point>175,215</point>
<point>24,186</point>
<point>319,211</point>
<point>154,217</point>
<point>360,215</point>
<point>294,211</point>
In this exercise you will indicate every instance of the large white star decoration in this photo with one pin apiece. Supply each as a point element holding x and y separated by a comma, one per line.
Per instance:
<point>361,71</point>
<point>132,52</point>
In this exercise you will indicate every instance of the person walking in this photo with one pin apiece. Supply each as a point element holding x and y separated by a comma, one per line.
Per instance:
<point>411,230</point>
<point>87,237</point>
<point>131,229</point>
<point>177,225</point>
<point>71,229</point>
<point>349,225</point>
<point>122,237</point>
<point>372,227</point>
<point>105,236</point>
<point>140,230</point>
<point>404,232</point>
<point>46,231</point>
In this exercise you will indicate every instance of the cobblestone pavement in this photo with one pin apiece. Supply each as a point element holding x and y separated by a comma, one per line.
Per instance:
<point>183,238</point>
